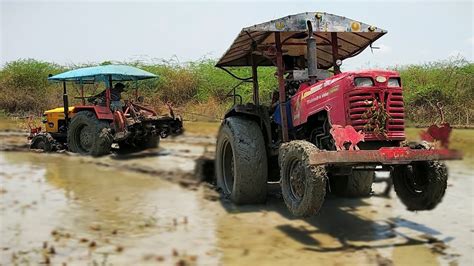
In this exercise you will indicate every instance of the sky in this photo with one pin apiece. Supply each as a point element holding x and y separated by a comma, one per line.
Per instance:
<point>75,32</point>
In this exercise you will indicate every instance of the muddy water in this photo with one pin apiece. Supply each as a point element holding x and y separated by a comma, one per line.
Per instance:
<point>94,214</point>
<point>119,210</point>
<point>375,230</point>
<point>89,213</point>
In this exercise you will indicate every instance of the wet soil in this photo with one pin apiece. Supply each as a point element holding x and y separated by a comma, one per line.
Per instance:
<point>150,208</point>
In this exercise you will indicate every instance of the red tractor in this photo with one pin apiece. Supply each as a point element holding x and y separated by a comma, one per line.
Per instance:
<point>323,131</point>
<point>99,121</point>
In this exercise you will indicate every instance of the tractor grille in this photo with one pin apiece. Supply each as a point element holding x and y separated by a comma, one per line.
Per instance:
<point>360,101</point>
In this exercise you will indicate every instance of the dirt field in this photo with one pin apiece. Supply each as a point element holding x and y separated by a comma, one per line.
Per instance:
<point>149,208</point>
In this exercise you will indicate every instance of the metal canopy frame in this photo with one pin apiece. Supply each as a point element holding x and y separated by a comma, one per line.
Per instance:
<point>352,37</point>
<point>316,36</point>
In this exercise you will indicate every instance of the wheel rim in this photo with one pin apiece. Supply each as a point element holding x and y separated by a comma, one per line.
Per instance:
<point>414,181</point>
<point>40,144</point>
<point>228,167</point>
<point>86,138</point>
<point>297,179</point>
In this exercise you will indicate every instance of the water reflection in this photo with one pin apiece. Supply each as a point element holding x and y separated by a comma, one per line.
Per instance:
<point>144,216</point>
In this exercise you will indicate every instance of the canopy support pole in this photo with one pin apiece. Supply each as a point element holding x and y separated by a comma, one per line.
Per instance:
<point>311,53</point>
<point>335,54</point>
<point>65,104</point>
<point>107,92</point>
<point>83,100</point>
<point>281,88</point>
<point>256,96</point>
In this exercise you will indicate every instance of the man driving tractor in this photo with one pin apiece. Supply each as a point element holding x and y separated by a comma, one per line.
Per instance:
<point>115,97</point>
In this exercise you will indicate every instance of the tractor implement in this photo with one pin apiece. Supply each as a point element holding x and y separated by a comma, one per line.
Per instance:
<point>324,130</point>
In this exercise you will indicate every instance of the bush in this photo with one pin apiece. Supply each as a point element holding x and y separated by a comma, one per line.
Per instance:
<point>449,83</point>
<point>24,86</point>
<point>201,88</point>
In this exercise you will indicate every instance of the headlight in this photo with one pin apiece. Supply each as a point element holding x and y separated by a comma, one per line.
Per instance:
<point>363,82</point>
<point>393,82</point>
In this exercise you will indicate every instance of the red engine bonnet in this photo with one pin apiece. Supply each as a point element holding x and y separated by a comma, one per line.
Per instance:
<point>345,103</point>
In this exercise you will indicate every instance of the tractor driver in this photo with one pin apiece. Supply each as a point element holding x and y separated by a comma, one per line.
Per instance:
<point>115,97</point>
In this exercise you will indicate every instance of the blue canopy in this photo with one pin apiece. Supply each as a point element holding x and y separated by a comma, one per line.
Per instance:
<point>103,73</point>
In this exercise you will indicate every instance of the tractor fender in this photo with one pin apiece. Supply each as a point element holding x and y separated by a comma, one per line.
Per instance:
<point>102,112</point>
<point>260,114</point>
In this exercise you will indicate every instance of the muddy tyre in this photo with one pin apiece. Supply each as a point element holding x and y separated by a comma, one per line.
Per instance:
<point>42,142</point>
<point>89,135</point>
<point>420,185</point>
<point>358,184</point>
<point>241,161</point>
<point>303,185</point>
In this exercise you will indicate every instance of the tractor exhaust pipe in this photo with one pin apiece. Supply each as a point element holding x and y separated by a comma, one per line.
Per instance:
<point>311,54</point>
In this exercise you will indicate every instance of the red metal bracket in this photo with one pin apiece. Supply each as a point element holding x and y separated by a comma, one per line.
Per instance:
<point>386,155</point>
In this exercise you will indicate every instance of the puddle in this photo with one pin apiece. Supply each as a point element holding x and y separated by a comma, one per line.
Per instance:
<point>94,214</point>
<point>374,231</point>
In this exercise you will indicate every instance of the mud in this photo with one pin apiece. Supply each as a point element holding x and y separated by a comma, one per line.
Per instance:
<point>153,207</point>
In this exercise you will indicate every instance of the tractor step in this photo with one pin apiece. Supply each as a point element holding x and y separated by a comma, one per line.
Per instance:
<point>385,155</point>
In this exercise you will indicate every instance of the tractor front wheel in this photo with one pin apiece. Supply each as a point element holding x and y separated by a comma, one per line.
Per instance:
<point>42,142</point>
<point>241,161</point>
<point>303,185</point>
<point>420,185</point>
<point>89,135</point>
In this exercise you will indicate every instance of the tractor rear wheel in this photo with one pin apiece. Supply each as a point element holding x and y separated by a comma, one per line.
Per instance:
<point>303,185</point>
<point>420,185</point>
<point>241,161</point>
<point>357,184</point>
<point>89,135</point>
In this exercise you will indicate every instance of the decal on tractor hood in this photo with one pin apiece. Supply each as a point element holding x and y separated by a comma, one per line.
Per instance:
<point>319,87</point>
<point>330,91</point>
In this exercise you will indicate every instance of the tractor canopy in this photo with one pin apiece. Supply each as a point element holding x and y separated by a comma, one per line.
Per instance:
<point>336,37</point>
<point>103,73</point>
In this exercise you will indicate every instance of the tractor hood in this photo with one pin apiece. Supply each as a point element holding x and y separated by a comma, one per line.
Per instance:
<point>352,38</point>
